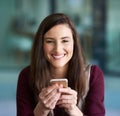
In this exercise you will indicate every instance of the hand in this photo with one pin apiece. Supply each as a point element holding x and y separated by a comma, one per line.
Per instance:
<point>49,97</point>
<point>68,100</point>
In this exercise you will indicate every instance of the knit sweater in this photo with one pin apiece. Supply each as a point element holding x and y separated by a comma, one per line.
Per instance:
<point>94,101</point>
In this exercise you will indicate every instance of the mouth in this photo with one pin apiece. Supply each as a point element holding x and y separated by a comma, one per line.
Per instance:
<point>57,57</point>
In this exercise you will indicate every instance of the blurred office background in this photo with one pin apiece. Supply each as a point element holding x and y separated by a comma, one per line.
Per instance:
<point>97,22</point>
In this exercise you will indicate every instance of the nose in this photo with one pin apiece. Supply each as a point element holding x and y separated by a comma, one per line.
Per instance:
<point>58,46</point>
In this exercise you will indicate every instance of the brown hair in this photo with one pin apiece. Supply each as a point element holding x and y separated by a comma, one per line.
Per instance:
<point>40,73</point>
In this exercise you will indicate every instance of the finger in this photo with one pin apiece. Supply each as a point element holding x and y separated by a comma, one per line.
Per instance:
<point>44,98</point>
<point>67,107</point>
<point>66,96</point>
<point>66,101</point>
<point>67,91</point>
<point>51,103</point>
<point>50,100</point>
<point>46,91</point>
<point>51,96</point>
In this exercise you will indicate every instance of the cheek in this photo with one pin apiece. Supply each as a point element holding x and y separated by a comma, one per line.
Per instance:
<point>70,48</point>
<point>47,51</point>
<point>47,48</point>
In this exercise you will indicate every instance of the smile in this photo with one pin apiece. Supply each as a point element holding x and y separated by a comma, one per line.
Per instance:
<point>58,56</point>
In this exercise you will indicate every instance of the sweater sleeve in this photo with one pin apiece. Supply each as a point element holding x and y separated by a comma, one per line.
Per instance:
<point>94,103</point>
<point>24,96</point>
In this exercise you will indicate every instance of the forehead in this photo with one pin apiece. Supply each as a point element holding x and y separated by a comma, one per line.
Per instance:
<point>61,29</point>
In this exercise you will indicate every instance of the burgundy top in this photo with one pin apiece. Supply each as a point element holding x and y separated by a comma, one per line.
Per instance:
<point>94,100</point>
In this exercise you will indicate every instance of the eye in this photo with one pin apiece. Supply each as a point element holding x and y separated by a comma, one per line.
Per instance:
<point>49,41</point>
<point>65,41</point>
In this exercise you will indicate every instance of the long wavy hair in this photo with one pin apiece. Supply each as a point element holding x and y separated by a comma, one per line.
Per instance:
<point>40,67</point>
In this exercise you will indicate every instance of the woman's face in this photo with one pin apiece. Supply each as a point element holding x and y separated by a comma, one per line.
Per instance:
<point>58,45</point>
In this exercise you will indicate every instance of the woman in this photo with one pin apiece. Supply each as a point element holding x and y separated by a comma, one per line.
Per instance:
<point>57,53</point>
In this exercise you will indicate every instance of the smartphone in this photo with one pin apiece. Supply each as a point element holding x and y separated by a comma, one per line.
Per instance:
<point>64,82</point>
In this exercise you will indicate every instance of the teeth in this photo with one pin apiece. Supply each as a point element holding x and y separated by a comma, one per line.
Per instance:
<point>58,56</point>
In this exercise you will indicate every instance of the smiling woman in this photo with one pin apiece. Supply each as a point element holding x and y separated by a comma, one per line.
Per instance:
<point>58,46</point>
<point>56,54</point>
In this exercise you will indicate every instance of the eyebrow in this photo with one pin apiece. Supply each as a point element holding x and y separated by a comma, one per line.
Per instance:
<point>65,37</point>
<point>53,38</point>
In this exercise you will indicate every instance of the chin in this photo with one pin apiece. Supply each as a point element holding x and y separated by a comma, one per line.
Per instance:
<point>59,65</point>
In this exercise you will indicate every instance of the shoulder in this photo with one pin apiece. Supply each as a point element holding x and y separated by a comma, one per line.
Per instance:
<point>23,81</point>
<point>24,74</point>
<point>25,71</point>
<point>95,97</point>
<point>96,70</point>
<point>96,75</point>
<point>24,95</point>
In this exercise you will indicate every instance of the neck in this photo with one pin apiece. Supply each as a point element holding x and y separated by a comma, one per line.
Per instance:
<point>58,72</point>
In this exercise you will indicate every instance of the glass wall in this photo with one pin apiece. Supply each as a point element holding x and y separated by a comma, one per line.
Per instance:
<point>113,36</point>
<point>19,22</point>
<point>21,18</point>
